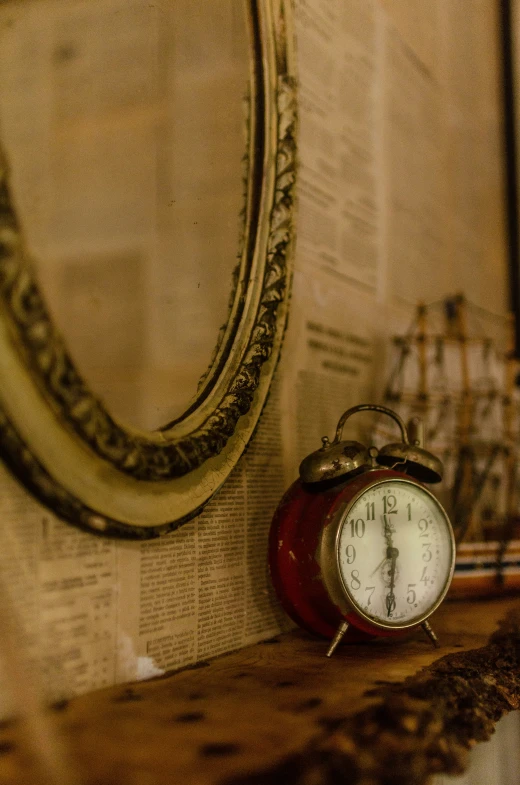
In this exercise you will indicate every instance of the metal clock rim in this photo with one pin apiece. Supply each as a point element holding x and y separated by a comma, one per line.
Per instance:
<point>339,517</point>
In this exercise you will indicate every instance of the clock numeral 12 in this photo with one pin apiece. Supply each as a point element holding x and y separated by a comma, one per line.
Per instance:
<point>390,504</point>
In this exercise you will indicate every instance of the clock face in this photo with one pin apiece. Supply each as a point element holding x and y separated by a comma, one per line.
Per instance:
<point>395,553</point>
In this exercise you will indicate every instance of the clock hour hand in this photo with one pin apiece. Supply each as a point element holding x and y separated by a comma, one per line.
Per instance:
<point>379,565</point>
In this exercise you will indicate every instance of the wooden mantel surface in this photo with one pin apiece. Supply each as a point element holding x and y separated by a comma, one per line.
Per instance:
<point>389,712</point>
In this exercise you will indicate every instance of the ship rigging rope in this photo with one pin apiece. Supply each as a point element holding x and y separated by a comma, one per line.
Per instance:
<point>484,312</point>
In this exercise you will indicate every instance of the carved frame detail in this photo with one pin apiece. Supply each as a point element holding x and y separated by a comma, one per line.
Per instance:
<point>163,455</point>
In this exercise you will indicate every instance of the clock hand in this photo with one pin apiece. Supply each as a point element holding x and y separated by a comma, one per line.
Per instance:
<point>379,565</point>
<point>391,553</point>
<point>387,530</point>
<point>387,556</point>
<point>390,597</point>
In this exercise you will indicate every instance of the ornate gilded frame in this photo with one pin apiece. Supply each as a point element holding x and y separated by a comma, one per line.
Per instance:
<point>57,436</point>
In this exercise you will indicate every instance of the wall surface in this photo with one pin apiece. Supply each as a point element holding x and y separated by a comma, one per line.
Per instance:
<point>496,762</point>
<point>400,199</point>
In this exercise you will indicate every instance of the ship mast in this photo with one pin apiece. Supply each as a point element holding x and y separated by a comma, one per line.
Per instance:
<point>463,493</point>
<point>423,365</point>
<point>508,419</point>
<point>466,409</point>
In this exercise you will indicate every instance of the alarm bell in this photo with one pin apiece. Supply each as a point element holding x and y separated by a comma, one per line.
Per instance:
<point>334,460</point>
<point>346,458</point>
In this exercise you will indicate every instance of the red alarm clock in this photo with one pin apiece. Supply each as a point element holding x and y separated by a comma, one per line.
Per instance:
<point>358,544</point>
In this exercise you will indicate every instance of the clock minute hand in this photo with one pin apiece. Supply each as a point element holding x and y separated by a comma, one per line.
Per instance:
<point>392,554</point>
<point>387,530</point>
<point>390,597</point>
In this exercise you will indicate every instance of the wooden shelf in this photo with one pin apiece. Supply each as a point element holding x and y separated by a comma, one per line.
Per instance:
<point>280,712</point>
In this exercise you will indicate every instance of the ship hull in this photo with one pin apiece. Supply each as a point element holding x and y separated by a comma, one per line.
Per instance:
<point>481,569</point>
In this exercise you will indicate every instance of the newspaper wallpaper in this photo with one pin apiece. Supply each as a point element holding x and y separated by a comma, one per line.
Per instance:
<point>400,196</point>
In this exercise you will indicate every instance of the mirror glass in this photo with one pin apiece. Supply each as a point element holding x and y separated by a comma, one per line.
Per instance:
<point>125,127</point>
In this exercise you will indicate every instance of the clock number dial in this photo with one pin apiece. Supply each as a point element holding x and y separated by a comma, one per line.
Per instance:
<point>357,528</point>
<point>370,590</point>
<point>389,505</point>
<point>400,541</point>
<point>351,554</point>
<point>423,526</point>
<point>390,603</point>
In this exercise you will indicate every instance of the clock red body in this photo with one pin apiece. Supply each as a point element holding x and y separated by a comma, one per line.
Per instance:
<point>294,544</point>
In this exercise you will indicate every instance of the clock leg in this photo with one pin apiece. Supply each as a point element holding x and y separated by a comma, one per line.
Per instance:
<point>340,632</point>
<point>430,633</point>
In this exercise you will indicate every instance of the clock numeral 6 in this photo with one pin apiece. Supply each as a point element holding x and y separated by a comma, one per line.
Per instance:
<point>354,579</point>
<point>390,603</point>
<point>411,596</point>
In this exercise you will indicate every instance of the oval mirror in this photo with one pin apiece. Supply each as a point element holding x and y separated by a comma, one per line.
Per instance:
<point>145,226</point>
<point>135,261</point>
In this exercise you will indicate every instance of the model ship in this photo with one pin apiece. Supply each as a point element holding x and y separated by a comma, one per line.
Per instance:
<point>463,386</point>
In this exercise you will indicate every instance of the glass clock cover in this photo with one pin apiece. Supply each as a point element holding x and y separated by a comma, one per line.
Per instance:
<point>395,553</point>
